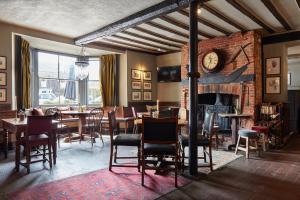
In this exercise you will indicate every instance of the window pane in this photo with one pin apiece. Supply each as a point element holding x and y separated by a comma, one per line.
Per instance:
<point>48,65</point>
<point>93,70</point>
<point>67,67</point>
<point>68,92</point>
<point>48,92</point>
<point>94,92</point>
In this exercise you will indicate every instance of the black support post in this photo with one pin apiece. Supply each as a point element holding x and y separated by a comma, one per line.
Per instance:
<point>193,88</point>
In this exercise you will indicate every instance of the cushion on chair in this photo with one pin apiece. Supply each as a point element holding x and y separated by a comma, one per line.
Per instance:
<point>38,137</point>
<point>127,139</point>
<point>247,133</point>
<point>159,149</point>
<point>201,140</point>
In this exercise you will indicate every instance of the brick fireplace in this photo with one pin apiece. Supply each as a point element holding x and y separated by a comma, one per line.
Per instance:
<point>247,88</point>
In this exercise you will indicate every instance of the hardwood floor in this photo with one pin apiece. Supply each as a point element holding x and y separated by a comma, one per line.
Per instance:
<point>274,175</point>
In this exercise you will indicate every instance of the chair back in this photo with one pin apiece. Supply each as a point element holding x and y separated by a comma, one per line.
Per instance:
<point>95,117</point>
<point>113,124</point>
<point>159,130</point>
<point>208,124</point>
<point>134,113</point>
<point>39,124</point>
<point>174,112</point>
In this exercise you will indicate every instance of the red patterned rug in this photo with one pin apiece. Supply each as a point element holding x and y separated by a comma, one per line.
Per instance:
<point>122,183</point>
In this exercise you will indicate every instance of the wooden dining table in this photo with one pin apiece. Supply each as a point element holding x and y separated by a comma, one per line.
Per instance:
<point>18,127</point>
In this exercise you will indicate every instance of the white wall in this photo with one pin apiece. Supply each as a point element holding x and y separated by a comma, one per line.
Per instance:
<point>294,69</point>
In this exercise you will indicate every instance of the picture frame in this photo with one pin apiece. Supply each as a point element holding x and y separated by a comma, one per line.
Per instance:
<point>273,66</point>
<point>147,86</point>
<point>136,96</point>
<point>136,74</point>
<point>136,85</point>
<point>2,63</point>
<point>3,95</point>
<point>3,80</point>
<point>273,85</point>
<point>147,96</point>
<point>147,75</point>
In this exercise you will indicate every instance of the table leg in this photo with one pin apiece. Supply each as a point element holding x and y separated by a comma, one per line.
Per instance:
<point>54,147</point>
<point>5,143</point>
<point>17,154</point>
<point>234,129</point>
<point>81,129</point>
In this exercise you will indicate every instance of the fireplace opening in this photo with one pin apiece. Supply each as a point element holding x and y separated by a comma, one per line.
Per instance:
<point>218,103</point>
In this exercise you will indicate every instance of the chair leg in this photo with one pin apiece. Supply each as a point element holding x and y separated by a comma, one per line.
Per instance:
<point>139,158</point>
<point>210,158</point>
<point>182,162</point>
<point>100,136</point>
<point>116,152</point>
<point>204,154</point>
<point>28,149</point>
<point>50,153</point>
<point>44,153</point>
<point>110,157</point>
<point>143,169</point>
<point>237,144</point>
<point>176,166</point>
<point>217,141</point>
<point>247,147</point>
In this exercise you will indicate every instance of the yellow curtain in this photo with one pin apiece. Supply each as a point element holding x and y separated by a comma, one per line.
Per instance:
<point>107,82</point>
<point>25,54</point>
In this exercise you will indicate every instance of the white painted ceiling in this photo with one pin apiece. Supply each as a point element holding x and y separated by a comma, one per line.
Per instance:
<point>74,18</point>
<point>70,18</point>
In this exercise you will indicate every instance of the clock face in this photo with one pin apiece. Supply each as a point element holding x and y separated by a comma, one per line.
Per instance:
<point>211,61</point>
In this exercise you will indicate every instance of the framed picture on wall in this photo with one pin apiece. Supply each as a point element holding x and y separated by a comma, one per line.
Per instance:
<point>136,74</point>
<point>273,66</point>
<point>136,85</point>
<point>2,62</point>
<point>273,85</point>
<point>147,76</point>
<point>136,96</point>
<point>2,95</point>
<point>147,85</point>
<point>3,78</point>
<point>147,96</point>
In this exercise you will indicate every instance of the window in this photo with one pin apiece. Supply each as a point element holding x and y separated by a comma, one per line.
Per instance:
<point>57,83</point>
<point>94,95</point>
<point>56,77</point>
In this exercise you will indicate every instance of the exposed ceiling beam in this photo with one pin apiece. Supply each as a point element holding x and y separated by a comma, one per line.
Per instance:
<point>130,45</point>
<point>183,26</point>
<point>141,42</point>
<point>251,16</point>
<point>294,56</point>
<point>135,19</point>
<point>283,37</point>
<point>298,2</point>
<point>206,22</point>
<point>222,16</point>
<point>102,45</point>
<point>143,30</point>
<point>151,39</point>
<point>165,28</point>
<point>276,14</point>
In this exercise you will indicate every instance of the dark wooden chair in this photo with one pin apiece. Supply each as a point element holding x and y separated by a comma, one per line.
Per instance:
<point>94,125</point>
<point>62,129</point>
<point>117,139</point>
<point>203,140</point>
<point>135,124</point>
<point>160,140</point>
<point>3,134</point>
<point>39,133</point>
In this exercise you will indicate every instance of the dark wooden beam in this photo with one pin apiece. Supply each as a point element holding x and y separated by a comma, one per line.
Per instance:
<point>298,2</point>
<point>270,6</point>
<point>206,22</point>
<point>135,19</point>
<point>129,45</point>
<point>141,42</point>
<point>151,39</point>
<point>223,17</point>
<point>168,52</point>
<point>193,91</point>
<point>165,28</point>
<point>143,30</point>
<point>284,37</point>
<point>183,26</point>
<point>251,16</point>
<point>106,46</point>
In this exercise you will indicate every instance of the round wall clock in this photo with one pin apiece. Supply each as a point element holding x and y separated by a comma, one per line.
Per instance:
<point>212,61</point>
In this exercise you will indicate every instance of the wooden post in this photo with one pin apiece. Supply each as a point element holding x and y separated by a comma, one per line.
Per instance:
<point>193,89</point>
